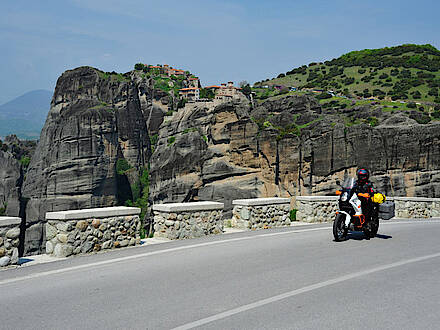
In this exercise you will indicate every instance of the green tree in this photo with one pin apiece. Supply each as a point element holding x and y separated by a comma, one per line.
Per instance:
<point>139,66</point>
<point>24,161</point>
<point>246,90</point>
<point>206,93</point>
<point>416,95</point>
<point>122,166</point>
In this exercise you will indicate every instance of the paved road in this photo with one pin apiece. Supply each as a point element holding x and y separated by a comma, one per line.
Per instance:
<point>293,278</point>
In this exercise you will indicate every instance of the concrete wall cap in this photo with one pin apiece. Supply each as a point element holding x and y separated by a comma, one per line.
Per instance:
<point>261,201</point>
<point>191,206</point>
<point>414,199</point>
<point>103,212</point>
<point>316,198</point>
<point>7,221</point>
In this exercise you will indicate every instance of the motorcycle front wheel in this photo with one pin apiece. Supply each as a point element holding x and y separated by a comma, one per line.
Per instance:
<point>339,230</point>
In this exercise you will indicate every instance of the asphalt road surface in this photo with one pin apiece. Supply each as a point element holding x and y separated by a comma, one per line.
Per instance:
<point>291,278</point>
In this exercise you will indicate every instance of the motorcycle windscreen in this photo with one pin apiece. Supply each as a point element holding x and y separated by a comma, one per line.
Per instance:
<point>349,183</point>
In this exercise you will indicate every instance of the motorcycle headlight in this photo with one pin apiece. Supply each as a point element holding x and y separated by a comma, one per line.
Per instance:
<point>344,197</point>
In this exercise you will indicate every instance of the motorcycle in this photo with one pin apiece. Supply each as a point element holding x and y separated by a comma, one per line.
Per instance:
<point>350,216</point>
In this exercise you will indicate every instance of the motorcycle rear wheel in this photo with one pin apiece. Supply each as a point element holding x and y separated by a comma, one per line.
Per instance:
<point>372,228</point>
<point>339,230</point>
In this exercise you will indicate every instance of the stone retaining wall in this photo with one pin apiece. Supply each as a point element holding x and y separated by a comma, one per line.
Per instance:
<point>82,231</point>
<point>316,208</point>
<point>187,220</point>
<point>323,208</point>
<point>417,207</point>
<point>9,240</point>
<point>258,213</point>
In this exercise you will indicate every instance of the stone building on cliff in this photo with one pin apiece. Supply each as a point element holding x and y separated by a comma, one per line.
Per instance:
<point>225,92</point>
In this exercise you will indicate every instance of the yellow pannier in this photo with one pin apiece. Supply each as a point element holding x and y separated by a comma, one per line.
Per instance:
<point>378,198</point>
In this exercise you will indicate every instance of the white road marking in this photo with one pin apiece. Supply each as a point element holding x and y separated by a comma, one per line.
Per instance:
<point>408,222</point>
<point>305,289</point>
<point>147,254</point>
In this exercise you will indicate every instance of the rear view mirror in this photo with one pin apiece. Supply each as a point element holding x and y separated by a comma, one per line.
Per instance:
<point>338,182</point>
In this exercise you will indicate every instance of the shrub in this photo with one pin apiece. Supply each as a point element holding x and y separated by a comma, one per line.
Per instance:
<point>281,75</point>
<point>416,95</point>
<point>171,140</point>
<point>323,95</point>
<point>153,139</point>
<point>373,121</point>
<point>138,66</point>
<point>423,119</point>
<point>122,166</point>
<point>348,81</point>
<point>181,103</point>
<point>3,210</point>
<point>411,105</point>
<point>292,214</point>
<point>436,114</point>
<point>24,161</point>
<point>433,92</point>
<point>362,71</point>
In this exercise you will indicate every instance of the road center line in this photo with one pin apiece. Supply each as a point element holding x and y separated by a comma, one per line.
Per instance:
<point>305,289</point>
<point>147,254</point>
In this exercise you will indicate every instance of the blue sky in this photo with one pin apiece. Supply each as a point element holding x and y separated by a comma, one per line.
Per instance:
<point>216,40</point>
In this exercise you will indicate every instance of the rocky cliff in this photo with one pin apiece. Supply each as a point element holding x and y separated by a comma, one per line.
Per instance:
<point>10,180</point>
<point>95,121</point>
<point>287,147</point>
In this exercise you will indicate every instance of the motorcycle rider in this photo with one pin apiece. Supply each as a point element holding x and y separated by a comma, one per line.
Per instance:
<point>364,186</point>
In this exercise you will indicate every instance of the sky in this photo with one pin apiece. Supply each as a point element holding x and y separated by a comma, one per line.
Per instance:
<point>218,41</point>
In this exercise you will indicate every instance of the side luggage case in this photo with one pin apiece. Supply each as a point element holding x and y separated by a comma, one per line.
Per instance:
<point>387,210</point>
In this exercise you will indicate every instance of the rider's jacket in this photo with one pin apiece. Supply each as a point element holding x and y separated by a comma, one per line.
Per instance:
<point>364,187</point>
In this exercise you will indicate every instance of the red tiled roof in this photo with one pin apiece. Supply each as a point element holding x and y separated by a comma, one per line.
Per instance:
<point>213,86</point>
<point>188,89</point>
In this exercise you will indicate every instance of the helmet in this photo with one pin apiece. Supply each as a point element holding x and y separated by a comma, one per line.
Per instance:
<point>362,175</point>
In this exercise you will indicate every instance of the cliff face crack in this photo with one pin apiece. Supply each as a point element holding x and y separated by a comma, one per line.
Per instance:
<point>224,176</point>
<point>277,165</point>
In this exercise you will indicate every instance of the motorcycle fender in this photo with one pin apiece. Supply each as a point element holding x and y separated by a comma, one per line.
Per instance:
<point>347,218</point>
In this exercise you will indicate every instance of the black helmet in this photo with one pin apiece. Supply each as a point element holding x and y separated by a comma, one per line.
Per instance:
<point>363,175</point>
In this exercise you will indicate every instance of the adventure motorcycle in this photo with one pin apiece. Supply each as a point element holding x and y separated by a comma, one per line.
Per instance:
<point>351,216</point>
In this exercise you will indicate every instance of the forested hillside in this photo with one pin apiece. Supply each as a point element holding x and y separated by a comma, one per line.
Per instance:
<point>407,72</point>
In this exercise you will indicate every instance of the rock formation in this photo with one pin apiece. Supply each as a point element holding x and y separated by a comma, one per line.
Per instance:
<point>288,147</point>
<point>10,180</point>
<point>95,120</point>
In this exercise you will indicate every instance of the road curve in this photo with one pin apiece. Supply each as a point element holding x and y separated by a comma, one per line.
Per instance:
<point>291,278</point>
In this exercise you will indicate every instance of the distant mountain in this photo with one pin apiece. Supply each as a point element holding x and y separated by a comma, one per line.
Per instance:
<point>25,115</point>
